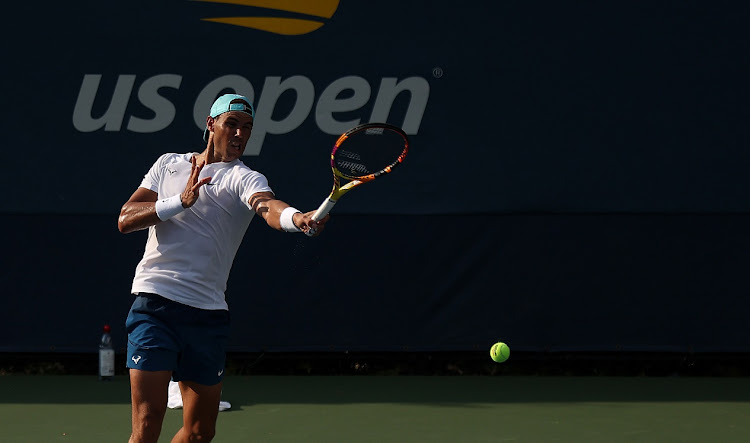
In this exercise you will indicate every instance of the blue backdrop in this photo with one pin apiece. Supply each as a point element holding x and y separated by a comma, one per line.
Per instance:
<point>577,177</point>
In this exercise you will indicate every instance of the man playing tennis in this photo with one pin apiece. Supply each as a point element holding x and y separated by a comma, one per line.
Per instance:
<point>197,208</point>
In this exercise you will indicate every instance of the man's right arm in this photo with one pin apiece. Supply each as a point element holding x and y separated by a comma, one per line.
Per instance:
<point>139,212</point>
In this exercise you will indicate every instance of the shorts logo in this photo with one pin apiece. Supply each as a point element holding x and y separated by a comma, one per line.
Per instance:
<point>297,25</point>
<point>136,360</point>
<point>221,372</point>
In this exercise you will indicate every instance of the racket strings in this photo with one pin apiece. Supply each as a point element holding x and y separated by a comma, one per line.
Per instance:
<point>370,151</point>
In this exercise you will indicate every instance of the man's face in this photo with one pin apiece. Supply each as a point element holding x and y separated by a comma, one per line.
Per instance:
<point>231,133</point>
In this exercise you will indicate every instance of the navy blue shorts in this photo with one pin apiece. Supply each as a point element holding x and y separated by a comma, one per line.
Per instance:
<point>164,335</point>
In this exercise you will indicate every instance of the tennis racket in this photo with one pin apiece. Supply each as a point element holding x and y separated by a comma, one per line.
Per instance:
<point>361,155</point>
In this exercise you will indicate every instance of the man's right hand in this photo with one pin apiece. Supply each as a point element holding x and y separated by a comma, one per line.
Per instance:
<point>190,194</point>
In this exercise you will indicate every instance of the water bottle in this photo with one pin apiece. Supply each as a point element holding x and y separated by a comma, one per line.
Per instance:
<point>106,356</point>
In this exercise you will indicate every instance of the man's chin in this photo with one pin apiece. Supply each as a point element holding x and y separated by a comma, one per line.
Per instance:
<point>232,154</point>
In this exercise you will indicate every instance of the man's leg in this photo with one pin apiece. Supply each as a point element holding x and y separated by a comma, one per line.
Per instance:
<point>148,393</point>
<point>200,408</point>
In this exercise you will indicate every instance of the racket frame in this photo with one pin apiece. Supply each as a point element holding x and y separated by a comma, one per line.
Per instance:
<point>352,182</point>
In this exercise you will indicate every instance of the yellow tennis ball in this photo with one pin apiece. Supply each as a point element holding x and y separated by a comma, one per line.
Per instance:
<point>500,352</point>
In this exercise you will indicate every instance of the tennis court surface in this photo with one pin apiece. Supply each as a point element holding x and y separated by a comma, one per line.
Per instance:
<point>78,408</point>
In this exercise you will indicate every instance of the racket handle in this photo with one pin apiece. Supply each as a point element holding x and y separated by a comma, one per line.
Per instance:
<point>322,211</point>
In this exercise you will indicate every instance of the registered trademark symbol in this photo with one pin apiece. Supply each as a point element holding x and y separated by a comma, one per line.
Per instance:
<point>437,72</point>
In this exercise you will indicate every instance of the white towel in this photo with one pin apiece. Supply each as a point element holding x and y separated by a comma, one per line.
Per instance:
<point>175,398</point>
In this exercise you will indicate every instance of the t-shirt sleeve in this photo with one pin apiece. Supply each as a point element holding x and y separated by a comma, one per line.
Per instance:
<point>154,175</point>
<point>252,183</point>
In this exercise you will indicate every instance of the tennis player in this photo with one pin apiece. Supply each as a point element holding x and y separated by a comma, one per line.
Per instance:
<point>197,207</point>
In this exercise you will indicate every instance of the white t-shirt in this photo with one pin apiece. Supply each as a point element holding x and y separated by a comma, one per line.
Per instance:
<point>188,257</point>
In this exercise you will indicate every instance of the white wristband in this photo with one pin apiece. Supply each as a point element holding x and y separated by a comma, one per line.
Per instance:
<point>287,220</point>
<point>167,208</point>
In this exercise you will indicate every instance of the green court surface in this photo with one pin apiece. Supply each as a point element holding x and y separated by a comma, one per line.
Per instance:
<point>400,409</point>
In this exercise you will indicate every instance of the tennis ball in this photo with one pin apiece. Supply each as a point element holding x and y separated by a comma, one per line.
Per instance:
<point>500,352</point>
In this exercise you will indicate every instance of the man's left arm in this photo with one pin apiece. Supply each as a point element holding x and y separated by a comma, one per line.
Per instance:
<point>273,212</point>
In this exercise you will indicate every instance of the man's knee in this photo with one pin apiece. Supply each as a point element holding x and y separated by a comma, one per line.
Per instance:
<point>203,436</point>
<point>147,422</point>
<point>148,416</point>
<point>198,433</point>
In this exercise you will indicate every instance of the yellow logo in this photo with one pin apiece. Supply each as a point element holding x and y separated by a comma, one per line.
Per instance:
<point>319,9</point>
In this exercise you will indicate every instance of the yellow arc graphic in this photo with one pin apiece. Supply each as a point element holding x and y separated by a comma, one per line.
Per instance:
<point>283,26</point>
<point>280,25</point>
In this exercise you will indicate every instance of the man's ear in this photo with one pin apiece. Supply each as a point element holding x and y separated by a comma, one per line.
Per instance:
<point>210,121</point>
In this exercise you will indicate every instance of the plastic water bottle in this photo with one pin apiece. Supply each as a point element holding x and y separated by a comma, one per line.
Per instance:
<point>106,356</point>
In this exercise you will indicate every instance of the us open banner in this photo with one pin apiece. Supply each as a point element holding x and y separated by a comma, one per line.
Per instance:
<point>577,176</point>
<point>511,106</point>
